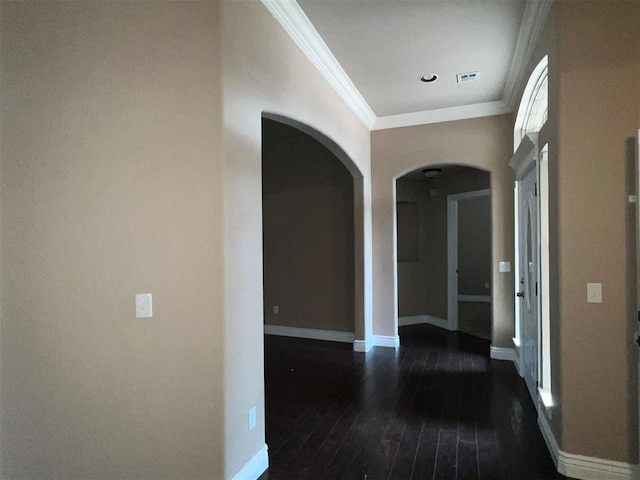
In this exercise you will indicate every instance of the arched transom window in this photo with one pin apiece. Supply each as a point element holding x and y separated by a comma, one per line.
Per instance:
<point>534,107</point>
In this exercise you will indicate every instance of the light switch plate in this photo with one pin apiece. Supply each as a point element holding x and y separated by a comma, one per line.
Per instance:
<point>505,267</point>
<point>594,293</point>
<point>144,305</point>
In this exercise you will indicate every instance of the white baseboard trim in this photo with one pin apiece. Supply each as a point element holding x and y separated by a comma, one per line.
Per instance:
<point>254,467</point>
<point>363,345</point>
<point>592,468</point>
<point>582,467</point>
<point>329,335</point>
<point>418,319</point>
<point>549,438</point>
<point>392,341</point>
<point>475,298</point>
<point>501,353</point>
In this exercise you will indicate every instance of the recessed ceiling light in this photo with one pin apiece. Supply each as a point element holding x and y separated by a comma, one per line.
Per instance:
<point>432,77</point>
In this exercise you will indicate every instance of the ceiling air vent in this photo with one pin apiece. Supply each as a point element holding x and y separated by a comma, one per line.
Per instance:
<point>467,77</point>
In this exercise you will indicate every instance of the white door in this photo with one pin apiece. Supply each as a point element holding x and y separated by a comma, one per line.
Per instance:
<point>527,282</point>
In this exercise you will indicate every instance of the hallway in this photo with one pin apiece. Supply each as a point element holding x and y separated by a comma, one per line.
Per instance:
<point>438,407</point>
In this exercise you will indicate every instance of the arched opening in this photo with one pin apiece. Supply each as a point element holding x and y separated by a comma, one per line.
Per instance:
<point>443,232</point>
<point>313,272</point>
<point>314,192</point>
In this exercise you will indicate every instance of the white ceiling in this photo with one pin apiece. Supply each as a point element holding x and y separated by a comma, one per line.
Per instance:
<point>385,46</point>
<point>374,51</point>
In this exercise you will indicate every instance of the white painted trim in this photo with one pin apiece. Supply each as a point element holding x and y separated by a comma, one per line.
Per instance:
<point>392,341</point>
<point>254,467</point>
<point>582,467</point>
<point>462,112</point>
<point>502,353</point>
<point>328,335</point>
<point>363,345</point>
<point>525,155</point>
<point>592,468</point>
<point>420,319</point>
<point>549,438</point>
<point>533,20</point>
<point>546,397</point>
<point>296,23</point>
<point>475,298</point>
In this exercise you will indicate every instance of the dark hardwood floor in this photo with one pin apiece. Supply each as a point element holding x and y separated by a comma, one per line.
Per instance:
<point>436,408</point>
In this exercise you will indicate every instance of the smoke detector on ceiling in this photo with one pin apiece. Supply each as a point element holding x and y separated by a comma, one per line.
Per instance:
<point>467,77</point>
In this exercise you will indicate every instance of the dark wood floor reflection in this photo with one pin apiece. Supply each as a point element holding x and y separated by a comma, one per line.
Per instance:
<point>436,408</point>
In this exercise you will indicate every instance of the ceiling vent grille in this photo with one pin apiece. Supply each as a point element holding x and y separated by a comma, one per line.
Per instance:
<point>467,77</point>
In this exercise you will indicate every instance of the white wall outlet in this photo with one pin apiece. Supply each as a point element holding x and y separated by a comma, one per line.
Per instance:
<point>486,285</point>
<point>594,293</point>
<point>276,309</point>
<point>144,305</point>
<point>504,267</point>
<point>633,199</point>
<point>252,418</point>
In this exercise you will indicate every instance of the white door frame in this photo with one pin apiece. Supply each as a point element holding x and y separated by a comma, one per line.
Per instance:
<point>521,162</point>
<point>452,252</point>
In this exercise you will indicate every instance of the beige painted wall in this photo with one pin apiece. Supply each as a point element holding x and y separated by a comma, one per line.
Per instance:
<point>111,185</point>
<point>119,176</point>
<point>597,46</point>
<point>422,284</point>
<point>594,376</point>
<point>264,71</point>
<point>307,205</point>
<point>484,143</point>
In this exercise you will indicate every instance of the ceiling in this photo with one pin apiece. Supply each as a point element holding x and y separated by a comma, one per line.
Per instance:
<point>385,46</point>
<point>374,52</point>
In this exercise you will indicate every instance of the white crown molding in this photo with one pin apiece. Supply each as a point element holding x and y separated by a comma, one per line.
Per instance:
<point>295,22</point>
<point>298,26</point>
<point>533,20</point>
<point>450,114</point>
<point>582,467</point>
<point>254,467</point>
<point>312,333</point>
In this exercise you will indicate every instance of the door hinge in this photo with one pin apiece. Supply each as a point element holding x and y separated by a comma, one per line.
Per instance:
<point>535,188</point>
<point>536,289</point>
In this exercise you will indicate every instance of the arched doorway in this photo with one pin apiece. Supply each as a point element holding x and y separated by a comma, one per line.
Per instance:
<point>443,233</point>
<point>328,183</point>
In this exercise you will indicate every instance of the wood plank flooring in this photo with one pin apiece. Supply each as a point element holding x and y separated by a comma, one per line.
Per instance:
<point>436,408</point>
